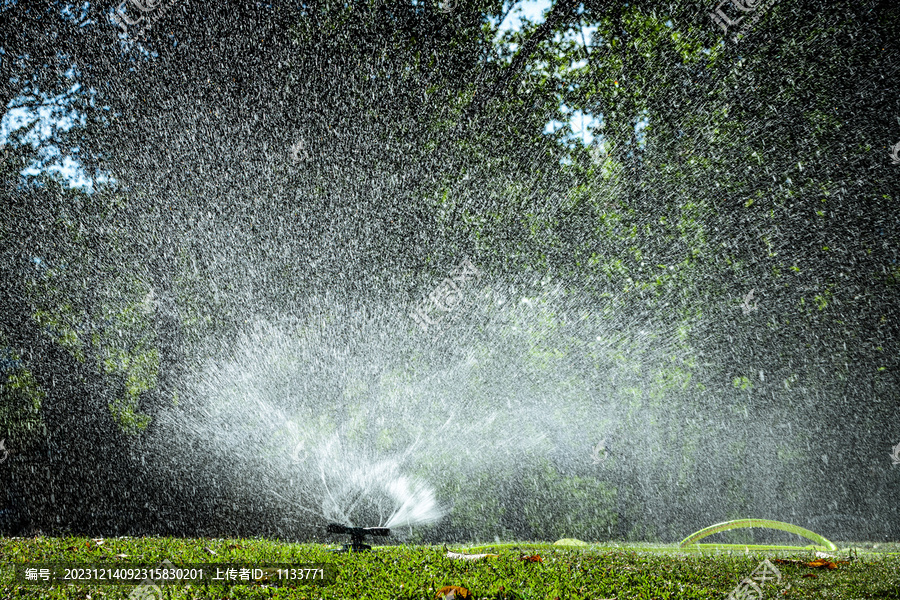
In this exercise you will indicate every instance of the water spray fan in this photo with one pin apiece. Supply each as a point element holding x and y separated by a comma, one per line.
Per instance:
<point>357,536</point>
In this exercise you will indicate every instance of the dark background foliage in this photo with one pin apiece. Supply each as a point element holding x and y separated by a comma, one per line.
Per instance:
<point>764,165</point>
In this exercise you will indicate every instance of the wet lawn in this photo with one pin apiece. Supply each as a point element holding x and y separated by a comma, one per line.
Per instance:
<point>520,571</point>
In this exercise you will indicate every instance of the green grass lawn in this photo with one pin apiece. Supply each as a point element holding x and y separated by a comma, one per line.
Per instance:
<point>645,571</point>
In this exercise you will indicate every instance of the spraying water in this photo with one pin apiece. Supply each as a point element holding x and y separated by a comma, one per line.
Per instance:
<point>715,347</point>
<point>262,412</point>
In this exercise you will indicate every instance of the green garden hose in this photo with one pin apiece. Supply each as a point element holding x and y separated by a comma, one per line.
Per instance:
<point>766,523</point>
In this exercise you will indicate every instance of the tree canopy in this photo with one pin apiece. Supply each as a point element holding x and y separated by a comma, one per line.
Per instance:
<point>705,274</point>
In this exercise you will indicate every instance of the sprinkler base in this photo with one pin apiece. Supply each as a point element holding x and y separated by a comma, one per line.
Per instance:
<point>352,548</point>
<point>357,534</point>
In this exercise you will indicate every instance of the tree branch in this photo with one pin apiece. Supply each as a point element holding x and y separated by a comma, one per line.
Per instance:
<point>558,13</point>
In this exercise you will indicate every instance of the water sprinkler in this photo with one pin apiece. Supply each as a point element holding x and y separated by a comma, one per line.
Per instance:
<point>357,535</point>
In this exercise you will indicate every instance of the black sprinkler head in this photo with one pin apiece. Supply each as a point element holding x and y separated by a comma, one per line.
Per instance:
<point>357,535</point>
